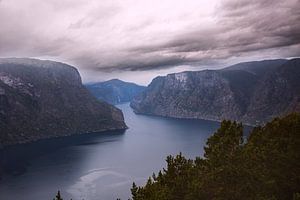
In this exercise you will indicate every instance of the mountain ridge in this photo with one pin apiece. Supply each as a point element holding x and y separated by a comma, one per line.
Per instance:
<point>228,93</point>
<point>42,99</point>
<point>114,91</point>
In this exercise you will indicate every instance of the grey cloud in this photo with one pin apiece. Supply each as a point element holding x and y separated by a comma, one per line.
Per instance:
<point>106,37</point>
<point>99,14</point>
<point>131,64</point>
<point>243,27</point>
<point>266,22</point>
<point>154,64</point>
<point>271,23</point>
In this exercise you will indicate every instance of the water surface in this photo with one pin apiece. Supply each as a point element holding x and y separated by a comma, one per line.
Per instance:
<point>99,166</point>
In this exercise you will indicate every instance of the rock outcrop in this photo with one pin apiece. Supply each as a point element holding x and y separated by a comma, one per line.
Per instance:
<point>43,99</point>
<point>252,92</point>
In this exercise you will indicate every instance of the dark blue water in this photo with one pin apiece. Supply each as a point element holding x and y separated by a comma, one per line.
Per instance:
<point>99,166</point>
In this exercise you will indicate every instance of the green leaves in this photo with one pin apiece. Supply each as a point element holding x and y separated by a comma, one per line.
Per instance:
<point>225,142</point>
<point>266,167</point>
<point>58,197</point>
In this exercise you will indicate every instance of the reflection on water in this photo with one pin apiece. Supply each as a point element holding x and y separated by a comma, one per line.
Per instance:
<point>14,160</point>
<point>99,166</point>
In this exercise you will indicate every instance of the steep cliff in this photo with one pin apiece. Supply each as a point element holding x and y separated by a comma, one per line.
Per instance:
<point>43,99</point>
<point>252,92</point>
<point>115,91</point>
<point>276,94</point>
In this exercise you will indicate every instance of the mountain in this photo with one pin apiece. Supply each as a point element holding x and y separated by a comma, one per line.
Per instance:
<point>252,92</point>
<point>258,68</point>
<point>43,99</point>
<point>115,91</point>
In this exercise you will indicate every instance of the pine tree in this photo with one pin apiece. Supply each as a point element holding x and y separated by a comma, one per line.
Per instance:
<point>266,167</point>
<point>134,191</point>
<point>58,197</point>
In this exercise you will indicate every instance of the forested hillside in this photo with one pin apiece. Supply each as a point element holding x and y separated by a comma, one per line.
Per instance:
<point>264,166</point>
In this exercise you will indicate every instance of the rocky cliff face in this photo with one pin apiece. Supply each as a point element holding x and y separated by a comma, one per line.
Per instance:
<point>115,91</point>
<point>249,92</point>
<point>276,94</point>
<point>43,99</point>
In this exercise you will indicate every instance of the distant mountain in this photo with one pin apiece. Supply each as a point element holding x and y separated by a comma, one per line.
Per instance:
<point>259,68</point>
<point>252,92</point>
<point>43,99</point>
<point>115,91</point>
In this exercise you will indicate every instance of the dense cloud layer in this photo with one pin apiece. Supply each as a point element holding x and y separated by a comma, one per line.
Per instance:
<point>132,35</point>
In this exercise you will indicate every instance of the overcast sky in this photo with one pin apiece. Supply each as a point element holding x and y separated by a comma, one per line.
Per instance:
<point>136,40</point>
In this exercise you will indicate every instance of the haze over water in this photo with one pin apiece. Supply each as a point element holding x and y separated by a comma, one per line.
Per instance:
<point>99,166</point>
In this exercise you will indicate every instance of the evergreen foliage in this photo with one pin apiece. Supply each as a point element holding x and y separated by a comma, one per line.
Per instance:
<point>266,167</point>
<point>58,197</point>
